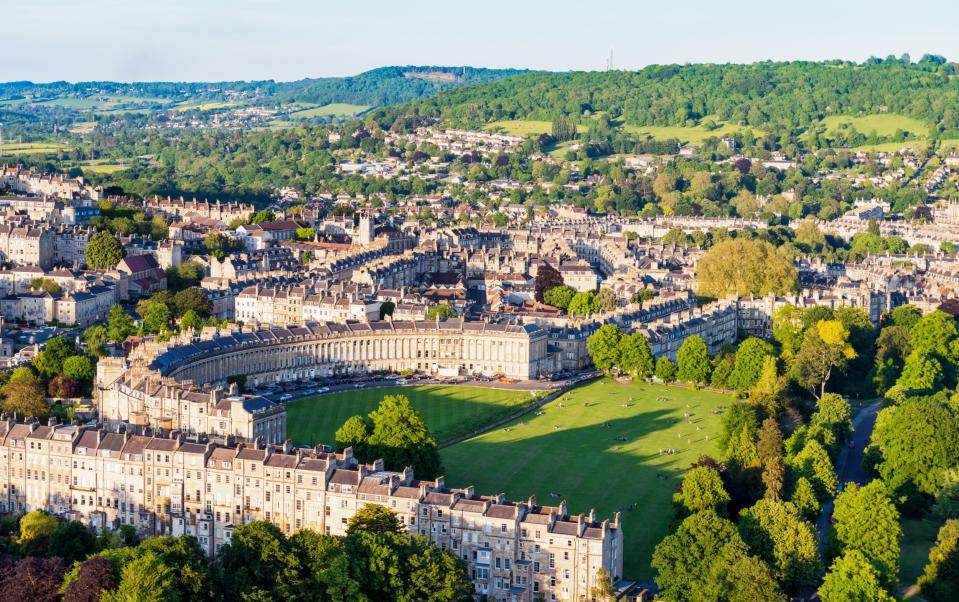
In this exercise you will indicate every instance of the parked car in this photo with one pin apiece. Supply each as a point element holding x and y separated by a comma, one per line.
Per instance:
<point>324,390</point>
<point>359,385</point>
<point>285,397</point>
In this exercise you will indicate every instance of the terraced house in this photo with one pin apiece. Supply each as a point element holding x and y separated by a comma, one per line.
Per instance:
<point>519,551</point>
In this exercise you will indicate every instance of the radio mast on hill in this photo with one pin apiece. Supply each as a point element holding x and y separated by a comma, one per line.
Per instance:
<point>609,61</point>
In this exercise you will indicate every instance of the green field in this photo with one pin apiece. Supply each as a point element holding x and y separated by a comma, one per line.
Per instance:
<point>337,109</point>
<point>449,410</point>
<point>885,124</point>
<point>29,148</point>
<point>891,147</point>
<point>687,135</point>
<point>568,450</point>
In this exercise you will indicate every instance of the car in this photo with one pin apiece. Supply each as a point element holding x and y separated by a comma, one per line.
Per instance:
<point>359,385</point>
<point>851,444</point>
<point>401,381</point>
<point>323,390</point>
<point>285,397</point>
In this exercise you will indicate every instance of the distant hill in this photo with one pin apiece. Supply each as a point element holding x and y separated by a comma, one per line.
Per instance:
<point>770,95</point>
<point>388,85</point>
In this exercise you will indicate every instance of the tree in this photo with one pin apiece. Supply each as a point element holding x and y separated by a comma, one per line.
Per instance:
<point>813,463</point>
<point>401,438</point>
<point>906,316</point>
<point>584,304</point>
<point>374,518</point>
<point>559,296</point>
<point>31,578</point>
<point>80,368</point>
<point>665,370</point>
<point>745,267</point>
<point>684,560</point>
<point>750,359</point>
<point>640,297</point>
<point>386,309</point>
<point>825,348</point>
<point>192,299</point>
<point>95,339</point>
<point>354,433</point>
<point>95,575</point>
<point>804,499</point>
<point>435,574</point>
<point>769,446</point>
<point>23,395</point>
<point>305,234</point>
<point>777,534</point>
<point>547,278</point>
<point>72,541</point>
<point>635,356</point>
<point>892,348</point>
<point>262,216</point>
<point>788,330</point>
<point>49,362</point>
<point>603,347</point>
<point>156,316</point>
<point>146,578</point>
<point>835,414</point>
<point>119,324</point>
<point>44,284</point>
<point>63,387</point>
<point>735,576</point>
<point>940,579</point>
<point>440,311</point>
<point>257,564</point>
<point>935,337</point>
<point>741,416</point>
<point>702,489</point>
<point>693,360</point>
<point>607,299</point>
<point>917,442</point>
<point>866,520</point>
<point>104,251</point>
<point>191,320</point>
<point>37,524</point>
<point>853,577</point>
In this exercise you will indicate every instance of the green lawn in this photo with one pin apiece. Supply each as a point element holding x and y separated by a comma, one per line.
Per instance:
<point>337,109</point>
<point>567,450</point>
<point>884,124</point>
<point>687,135</point>
<point>918,537</point>
<point>449,410</point>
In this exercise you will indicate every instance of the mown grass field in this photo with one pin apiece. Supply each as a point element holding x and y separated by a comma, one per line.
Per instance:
<point>884,124</point>
<point>449,410</point>
<point>29,148</point>
<point>572,450</point>
<point>337,109</point>
<point>687,135</point>
<point>918,537</point>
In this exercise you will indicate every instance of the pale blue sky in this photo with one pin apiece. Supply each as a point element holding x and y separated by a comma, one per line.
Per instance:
<point>204,40</point>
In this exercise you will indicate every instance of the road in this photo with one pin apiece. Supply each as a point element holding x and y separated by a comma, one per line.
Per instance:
<point>849,464</point>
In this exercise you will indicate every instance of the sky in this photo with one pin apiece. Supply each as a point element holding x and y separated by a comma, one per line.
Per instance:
<point>218,40</point>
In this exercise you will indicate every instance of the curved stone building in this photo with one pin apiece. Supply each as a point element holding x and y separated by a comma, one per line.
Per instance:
<point>446,348</point>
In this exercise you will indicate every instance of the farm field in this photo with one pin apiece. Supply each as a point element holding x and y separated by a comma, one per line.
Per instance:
<point>337,109</point>
<point>449,410</point>
<point>29,148</point>
<point>572,450</point>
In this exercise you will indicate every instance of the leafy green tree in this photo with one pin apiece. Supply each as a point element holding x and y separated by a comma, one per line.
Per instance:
<point>146,579</point>
<point>665,370</point>
<point>262,216</point>
<point>257,564</point>
<point>156,317</point>
<point>23,395</point>
<point>813,463</point>
<point>559,296</point>
<point>192,299</point>
<point>324,568</point>
<point>37,524</point>
<point>804,499</point>
<point>49,362</point>
<point>834,414</point>
<point>603,347</point>
<point>853,577</point>
<point>79,367</point>
<point>940,579</point>
<point>72,541</point>
<point>374,519</point>
<point>635,356</point>
<point>191,320</point>
<point>693,360</point>
<point>436,574</point>
<point>777,534</point>
<point>917,442</point>
<point>440,311</point>
<point>584,304</point>
<point>119,324</point>
<point>684,560</point>
<point>935,338</point>
<point>745,267</point>
<point>386,309</point>
<point>750,359</point>
<point>702,489</point>
<point>865,519</point>
<point>355,433</point>
<point>906,316</point>
<point>96,338</point>
<point>892,348</point>
<point>741,416</point>
<point>401,438</point>
<point>104,251</point>
<point>737,576</point>
<point>825,347</point>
